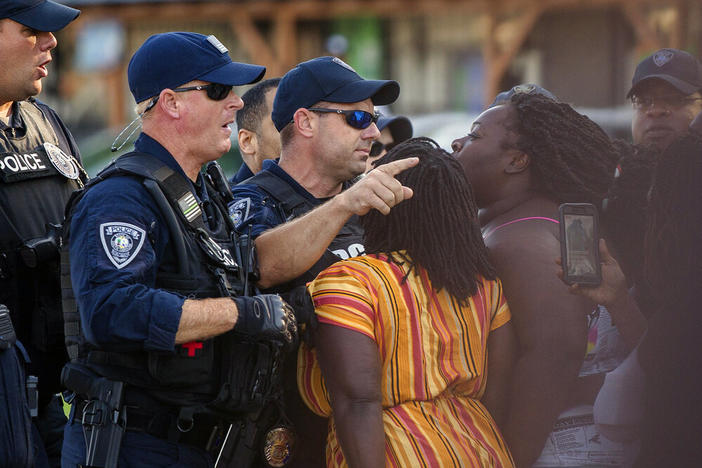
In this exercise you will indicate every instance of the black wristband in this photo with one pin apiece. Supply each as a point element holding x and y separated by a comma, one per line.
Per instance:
<point>249,315</point>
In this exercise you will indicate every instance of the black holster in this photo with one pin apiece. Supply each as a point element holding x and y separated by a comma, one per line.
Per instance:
<point>104,415</point>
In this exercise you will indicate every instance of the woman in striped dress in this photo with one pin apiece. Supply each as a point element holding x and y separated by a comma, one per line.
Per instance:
<point>405,331</point>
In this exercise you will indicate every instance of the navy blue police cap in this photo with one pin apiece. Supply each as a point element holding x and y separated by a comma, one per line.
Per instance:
<point>326,79</point>
<point>42,15</point>
<point>171,59</point>
<point>676,67</point>
<point>400,127</point>
<point>526,88</point>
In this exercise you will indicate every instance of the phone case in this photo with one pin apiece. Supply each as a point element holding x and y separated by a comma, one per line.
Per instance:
<point>579,236</point>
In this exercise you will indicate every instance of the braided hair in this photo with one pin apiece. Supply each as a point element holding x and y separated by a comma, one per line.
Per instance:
<point>572,158</point>
<point>673,265</point>
<point>438,227</point>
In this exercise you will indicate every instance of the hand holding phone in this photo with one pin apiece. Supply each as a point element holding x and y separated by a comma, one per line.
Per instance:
<point>579,236</point>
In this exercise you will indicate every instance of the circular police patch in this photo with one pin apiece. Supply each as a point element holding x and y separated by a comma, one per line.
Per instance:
<point>121,242</point>
<point>63,163</point>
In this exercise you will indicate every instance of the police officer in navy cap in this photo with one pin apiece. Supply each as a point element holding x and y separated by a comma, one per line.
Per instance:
<point>666,93</point>
<point>39,168</point>
<point>168,347</point>
<point>325,114</point>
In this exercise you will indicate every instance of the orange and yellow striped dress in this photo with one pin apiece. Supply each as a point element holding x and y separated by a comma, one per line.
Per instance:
<point>433,357</point>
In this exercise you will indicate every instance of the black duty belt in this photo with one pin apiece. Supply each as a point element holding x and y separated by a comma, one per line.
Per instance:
<point>206,433</point>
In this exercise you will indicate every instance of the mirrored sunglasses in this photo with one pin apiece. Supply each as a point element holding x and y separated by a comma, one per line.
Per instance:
<point>356,118</point>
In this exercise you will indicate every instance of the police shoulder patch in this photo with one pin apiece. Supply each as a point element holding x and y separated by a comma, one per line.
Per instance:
<point>121,242</point>
<point>239,210</point>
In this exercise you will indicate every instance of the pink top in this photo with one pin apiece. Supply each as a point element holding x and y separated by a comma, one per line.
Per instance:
<point>489,233</point>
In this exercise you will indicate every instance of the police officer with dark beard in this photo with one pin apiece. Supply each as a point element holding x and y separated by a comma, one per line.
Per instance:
<point>171,360</point>
<point>39,169</point>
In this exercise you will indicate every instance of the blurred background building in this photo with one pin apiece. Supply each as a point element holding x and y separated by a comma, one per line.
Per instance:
<point>450,56</point>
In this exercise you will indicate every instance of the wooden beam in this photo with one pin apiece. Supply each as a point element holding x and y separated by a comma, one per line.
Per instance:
<point>679,30</point>
<point>646,37</point>
<point>114,86</point>
<point>285,38</point>
<point>253,42</point>
<point>497,56</point>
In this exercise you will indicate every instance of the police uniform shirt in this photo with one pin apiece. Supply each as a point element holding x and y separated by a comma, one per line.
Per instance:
<point>241,175</point>
<point>251,207</point>
<point>118,240</point>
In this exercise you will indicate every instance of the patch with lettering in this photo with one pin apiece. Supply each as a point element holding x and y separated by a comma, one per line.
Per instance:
<point>239,210</point>
<point>23,166</point>
<point>121,242</point>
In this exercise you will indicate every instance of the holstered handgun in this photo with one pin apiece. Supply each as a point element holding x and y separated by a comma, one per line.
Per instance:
<point>104,416</point>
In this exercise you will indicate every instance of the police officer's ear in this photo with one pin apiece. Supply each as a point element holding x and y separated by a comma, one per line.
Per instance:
<point>248,142</point>
<point>168,103</point>
<point>305,121</point>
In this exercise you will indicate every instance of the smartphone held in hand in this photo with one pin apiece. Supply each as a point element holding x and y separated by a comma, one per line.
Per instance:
<point>579,236</point>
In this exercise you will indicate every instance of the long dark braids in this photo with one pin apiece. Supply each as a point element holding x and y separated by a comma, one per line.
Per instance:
<point>438,227</point>
<point>572,158</point>
<point>673,242</point>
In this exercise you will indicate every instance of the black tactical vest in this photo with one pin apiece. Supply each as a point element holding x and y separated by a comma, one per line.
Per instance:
<point>37,178</point>
<point>290,204</point>
<point>38,173</point>
<point>203,267</point>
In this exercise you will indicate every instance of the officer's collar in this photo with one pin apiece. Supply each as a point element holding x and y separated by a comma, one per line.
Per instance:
<point>146,144</point>
<point>15,122</point>
<point>274,167</point>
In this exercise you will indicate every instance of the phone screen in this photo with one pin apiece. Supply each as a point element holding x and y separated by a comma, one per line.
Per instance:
<point>580,245</point>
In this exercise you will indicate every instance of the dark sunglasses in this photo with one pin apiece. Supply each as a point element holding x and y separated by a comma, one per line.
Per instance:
<point>356,118</point>
<point>378,147</point>
<point>215,91</point>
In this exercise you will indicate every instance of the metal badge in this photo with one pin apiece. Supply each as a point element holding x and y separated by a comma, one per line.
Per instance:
<point>278,446</point>
<point>63,163</point>
<point>218,45</point>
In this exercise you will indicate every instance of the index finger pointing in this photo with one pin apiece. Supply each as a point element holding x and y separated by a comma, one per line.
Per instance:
<point>395,167</point>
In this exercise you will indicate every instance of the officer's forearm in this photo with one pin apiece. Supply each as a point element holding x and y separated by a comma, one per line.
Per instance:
<point>287,251</point>
<point>205,318</point>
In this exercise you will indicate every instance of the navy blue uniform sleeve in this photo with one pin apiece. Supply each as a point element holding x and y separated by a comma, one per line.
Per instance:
<point>251,208</point>
<point>117,241</point>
